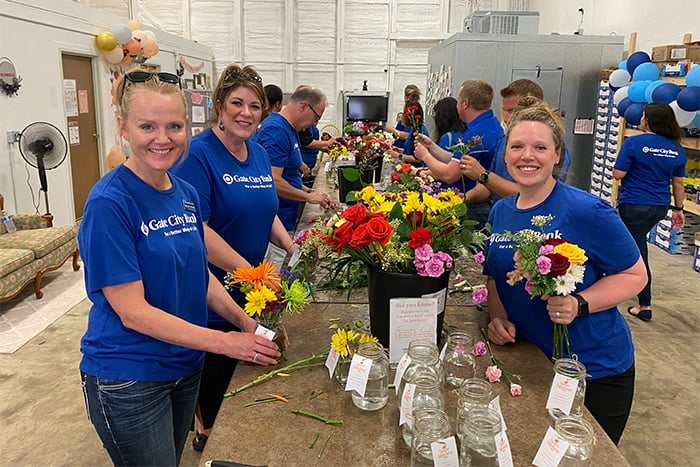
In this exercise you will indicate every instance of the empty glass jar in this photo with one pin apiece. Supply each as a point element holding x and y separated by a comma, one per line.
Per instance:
<point>427,394</point>
<point>376,391</point>
<point>421,353</point>
<point>429,426</point>
<point>472,393</point>
<point>579,433</point>
<point>459,363</point>
<point>570,368</point>
<point>478,439</point>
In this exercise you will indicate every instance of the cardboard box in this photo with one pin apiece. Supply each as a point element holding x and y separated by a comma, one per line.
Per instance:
<point>693,52</point>
<point>669,53</point>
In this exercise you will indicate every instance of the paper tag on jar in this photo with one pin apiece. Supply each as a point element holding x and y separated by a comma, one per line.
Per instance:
<point>551,450</point>
<point>400,370</point>
<point>407,405</point>
<point>562,392</point>
<point>442,352</point>
<point>445,452</point>
<point>505,458</point>
<point>266,333</point>
<point>332,361</point>
<point>495,404</point>
<point>358,374</point>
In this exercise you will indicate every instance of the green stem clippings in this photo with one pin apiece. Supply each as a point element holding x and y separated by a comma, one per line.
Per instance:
<point>313,443</point>
<point>317,417</point>
<point>323,448</point>
<point>498,363</point>
<point>304,363</point>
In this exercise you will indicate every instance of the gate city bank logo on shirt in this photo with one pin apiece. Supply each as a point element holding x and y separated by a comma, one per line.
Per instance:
<point>503,242</point>
<point>660,152</point>
<point>175,222</point>
<point>256,180</point>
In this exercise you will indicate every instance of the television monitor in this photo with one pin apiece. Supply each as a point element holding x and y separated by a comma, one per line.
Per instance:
<point>366,108</point>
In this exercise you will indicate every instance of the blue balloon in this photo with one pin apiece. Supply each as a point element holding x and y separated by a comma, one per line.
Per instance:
<point>636,92</point>
<point>623,104</point>
<point>689,99</point>
<point>633,113</point>
<point>696,121</point>
<point>646,72</point>
<point>693,76</point>
<point>667,93</point>
<point>623,65</point>
<point>636,59</point>
<point>650,89</point>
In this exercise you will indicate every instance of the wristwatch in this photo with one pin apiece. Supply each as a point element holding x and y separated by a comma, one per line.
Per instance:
<point>582,306</point>
<point>484,176</point>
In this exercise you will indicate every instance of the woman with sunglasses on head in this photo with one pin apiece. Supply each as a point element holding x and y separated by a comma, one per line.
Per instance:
<point>141,240</point>
<point>234,180</point>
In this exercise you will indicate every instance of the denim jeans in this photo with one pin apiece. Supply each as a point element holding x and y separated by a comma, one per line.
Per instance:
<point>142,422</point>
<point>639,219</point>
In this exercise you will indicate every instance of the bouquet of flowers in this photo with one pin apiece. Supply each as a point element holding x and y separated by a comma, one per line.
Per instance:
<point>269,294</point>
<point>407,232</point>
<point>405,178</point>
<point>369,148</point>
<point>549,266</point>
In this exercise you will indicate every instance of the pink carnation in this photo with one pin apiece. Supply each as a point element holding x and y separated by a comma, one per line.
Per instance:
<point>546,249</point>
<point>528,287</point>
<point>515,389</point>
<point>479,295</point>
<point>479,257</point>
<point>434,268</point>
<point>458,278</point>
<point>479,349</point>
<point>544,265</point>
<point>424,253</point>
<point>493,374</point>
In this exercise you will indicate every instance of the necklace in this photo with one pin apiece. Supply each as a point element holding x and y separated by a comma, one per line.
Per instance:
<point>241,154</point>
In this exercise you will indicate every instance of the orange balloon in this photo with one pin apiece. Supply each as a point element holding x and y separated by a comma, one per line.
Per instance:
<point>133,47</point>
<point>114,56</point>
<point>134,25</point>
<point>149,46</point>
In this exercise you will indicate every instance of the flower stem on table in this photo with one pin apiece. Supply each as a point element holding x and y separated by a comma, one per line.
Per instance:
<point>515,389</point>
<point>325,443</point>
<point>317,417</point>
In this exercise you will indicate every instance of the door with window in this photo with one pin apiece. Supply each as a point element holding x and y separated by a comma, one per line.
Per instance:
<point>82,127</point>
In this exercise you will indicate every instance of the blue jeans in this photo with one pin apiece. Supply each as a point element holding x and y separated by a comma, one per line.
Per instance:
<point>639,219</point>
<point>142,422</point>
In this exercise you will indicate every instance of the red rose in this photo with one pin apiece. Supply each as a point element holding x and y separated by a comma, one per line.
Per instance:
<point>360,237</point>
<point>396,177</point>
<point>560,264</point>
<point>379,230</point>
<point>415,218</point>
<point>342,235</point>
<point>419,237</point>
<point>356,214</point>
<point>554,241</point>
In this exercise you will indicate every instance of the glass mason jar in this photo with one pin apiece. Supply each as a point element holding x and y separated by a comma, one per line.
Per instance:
<point>342,369</point>
<point>472,393</point>
<point>579,433</point>
<point>478,440</point>
<point>377,389</point>
<point>421,353</point>
<point>426,395</point>
<point>429,426</point>
<point>571,368</point>
<point>459,362</point>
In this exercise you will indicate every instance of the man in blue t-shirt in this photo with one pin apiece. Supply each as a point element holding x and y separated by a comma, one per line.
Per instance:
<point>474,109</point>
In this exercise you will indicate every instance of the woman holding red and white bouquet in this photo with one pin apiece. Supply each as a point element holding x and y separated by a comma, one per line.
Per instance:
<point>555,227</point>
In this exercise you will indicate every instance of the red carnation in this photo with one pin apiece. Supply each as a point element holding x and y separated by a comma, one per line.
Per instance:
<point>419,237</point>
<point>396,177</point>
<point>560,264</point>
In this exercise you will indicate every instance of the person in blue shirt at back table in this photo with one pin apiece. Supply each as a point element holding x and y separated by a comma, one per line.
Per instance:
<point>142,243</point>
<point>233,177</point>
<point>413,115</point>
<point>646,165</point>
<point>614,270</point>
<point>496,183</point>
<point>474,108</point>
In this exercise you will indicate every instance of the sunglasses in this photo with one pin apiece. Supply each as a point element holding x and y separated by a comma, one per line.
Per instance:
<point>318,117</point>
<point>235,74</point>
<point>143,76</point>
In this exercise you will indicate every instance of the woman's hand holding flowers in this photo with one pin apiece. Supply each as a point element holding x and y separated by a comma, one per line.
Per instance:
<point>561,309</point>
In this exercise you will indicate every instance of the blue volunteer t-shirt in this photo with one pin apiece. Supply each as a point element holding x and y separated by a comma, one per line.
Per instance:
<point>310,155</point>
<point>398,142</point>
<point>446,141</point>
<point>409,146</point>
<point>281,141</point>
<point>489,128</point>
<point>238,199</point>
<point>602,340</point>
<point>651,161</point>
<point>132,232</point>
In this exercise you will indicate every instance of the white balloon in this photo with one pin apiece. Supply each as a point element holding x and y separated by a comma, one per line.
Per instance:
<point>122,32</point>
<point>620,94</point>
<point>683,117</point>
<point>619,78</point>
<point>150,34</point>
<point>114,56</point>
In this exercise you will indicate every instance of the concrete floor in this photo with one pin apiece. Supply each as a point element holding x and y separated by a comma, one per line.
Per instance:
<point>44,422</point>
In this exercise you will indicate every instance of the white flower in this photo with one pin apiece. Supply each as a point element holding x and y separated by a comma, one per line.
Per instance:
<point>564,284</point>
<point>576,272</point>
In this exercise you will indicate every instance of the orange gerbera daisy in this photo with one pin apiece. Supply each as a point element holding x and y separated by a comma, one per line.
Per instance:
<point>263,274</point>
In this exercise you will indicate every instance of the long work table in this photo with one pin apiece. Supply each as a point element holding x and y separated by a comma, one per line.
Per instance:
<point>270,434</point>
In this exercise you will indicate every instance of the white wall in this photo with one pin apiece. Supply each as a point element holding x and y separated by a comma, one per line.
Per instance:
<point>34,34</point>
<point>655,22</point>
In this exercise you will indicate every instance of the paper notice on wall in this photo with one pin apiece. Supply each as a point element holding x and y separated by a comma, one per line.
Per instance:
<point>410,319</point>
<point>73,133</point>
<point>70,97</point>
<point>83,101</point>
